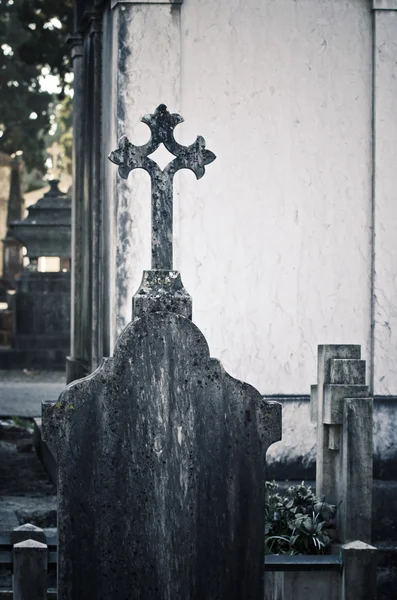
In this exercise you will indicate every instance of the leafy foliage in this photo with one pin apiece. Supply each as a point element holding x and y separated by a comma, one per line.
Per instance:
<point>32,37</point>
<point>298,522</point>
<point>47,24</point>
<point>64,120</point>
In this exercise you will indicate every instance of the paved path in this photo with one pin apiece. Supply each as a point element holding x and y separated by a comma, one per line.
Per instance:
<point>21,394</point>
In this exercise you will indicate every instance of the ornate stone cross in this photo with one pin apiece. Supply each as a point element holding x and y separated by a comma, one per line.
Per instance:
<point>193,157</point>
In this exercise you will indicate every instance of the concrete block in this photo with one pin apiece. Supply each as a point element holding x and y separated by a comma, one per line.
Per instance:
<point>359,571</point>
<point>30,570</point>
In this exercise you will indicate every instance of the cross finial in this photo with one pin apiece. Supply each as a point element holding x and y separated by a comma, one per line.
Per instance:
<point>193,157</point>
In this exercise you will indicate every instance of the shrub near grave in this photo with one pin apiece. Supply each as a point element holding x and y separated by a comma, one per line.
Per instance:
<point>297,521</point>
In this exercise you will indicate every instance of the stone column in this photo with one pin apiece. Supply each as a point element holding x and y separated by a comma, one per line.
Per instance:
<point>344,439</point>
<point>141,69</point>
<point>359,571</point>
<point>384,314</point>
<point>30,563</point>
<point>97,224</point>
<point>12,253</point>
<point>74,367</point>
<point>324,483</point>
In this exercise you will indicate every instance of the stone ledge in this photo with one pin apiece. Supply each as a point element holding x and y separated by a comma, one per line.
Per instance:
<point>114,3</point>
<point>384,4</point>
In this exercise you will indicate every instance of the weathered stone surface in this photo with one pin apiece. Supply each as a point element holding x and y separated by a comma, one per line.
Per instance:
<point>347,370</point>
<point>46,231</point>
<point>161,290</point>
<point>344,439</point>
<point>41,335</point>
<point>30,570</point>
<point>161,471</point>
<point>355,482</point>
<point>333,400</point>
<point>359,573</point>
<point>194,157</point>
<point>12,250</point>
<point>326,353</point>
<point>28,532</point>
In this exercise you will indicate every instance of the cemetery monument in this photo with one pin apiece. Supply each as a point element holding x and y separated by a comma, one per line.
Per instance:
<point>161,453</point>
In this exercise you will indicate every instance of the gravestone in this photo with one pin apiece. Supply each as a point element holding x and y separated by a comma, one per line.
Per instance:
<point>161,453</point>
<point>343,410</point>
<point>41,304</point>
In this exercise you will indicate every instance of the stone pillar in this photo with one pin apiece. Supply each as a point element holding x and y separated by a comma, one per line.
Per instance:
<point>384,314</point>
<point>344,439</point>
<point>359,571</point>
<point>74,367</point>
<point>324,483</point>
<point>30,563</point>
<point>12,253</point>
<point>141,69</point>
<point>87,313</point>
<point>97,224</point>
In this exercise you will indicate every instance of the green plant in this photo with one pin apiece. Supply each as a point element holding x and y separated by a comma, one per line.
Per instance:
<point>23,423</point>
<point>296,522</point>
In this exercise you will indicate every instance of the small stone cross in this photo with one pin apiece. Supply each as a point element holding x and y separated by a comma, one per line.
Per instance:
<point>193,157</point>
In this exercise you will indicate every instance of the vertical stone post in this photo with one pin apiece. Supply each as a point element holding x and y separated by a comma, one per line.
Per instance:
<point>30,571</point>
<point>355,511</point>
<point>143,35</point>
<point>343,412</point>
<point>30,563</point>
<point>359,571</point>
<point>12,253</point>
<point>384,206</point>
<point>95,32</point>
<point>74,368</point>
<point>324,478</point>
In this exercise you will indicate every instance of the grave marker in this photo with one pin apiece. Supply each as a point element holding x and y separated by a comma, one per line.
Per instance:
<point>161,453</point>
<point>194,157</point>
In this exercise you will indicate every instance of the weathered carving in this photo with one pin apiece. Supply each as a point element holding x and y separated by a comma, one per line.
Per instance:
<point>194,157</point>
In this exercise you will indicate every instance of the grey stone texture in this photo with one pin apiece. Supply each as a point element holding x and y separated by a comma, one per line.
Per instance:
<point>76,364</point>
<point>324,585</point>
<point>41,304</point>
<point>161,290</point>
<point>30,570</point>
<point>12,249</point>
<point>359,571</point>
<point>344,416</point>
<point>41,314</point>
<point>46,231</point>
<point>194,157</point>
<point>161,469</point>
<point>28,532</point>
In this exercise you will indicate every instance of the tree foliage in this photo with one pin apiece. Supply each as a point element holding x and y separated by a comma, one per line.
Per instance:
<point>32,36</point>
<point>47,24</point>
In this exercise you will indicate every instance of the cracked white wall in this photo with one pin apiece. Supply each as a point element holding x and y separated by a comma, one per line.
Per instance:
<point>274,243</point>
<point>385,266</point>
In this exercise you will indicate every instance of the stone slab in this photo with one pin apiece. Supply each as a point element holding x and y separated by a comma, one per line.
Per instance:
<point>334,396</point>
<point>161,472</point>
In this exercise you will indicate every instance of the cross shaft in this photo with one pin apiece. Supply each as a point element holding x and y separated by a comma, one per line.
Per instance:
<point>194,157</point>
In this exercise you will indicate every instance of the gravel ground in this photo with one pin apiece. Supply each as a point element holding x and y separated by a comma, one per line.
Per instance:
<point>30,376</point>
<point>26,492</point>
<point>21,393</point>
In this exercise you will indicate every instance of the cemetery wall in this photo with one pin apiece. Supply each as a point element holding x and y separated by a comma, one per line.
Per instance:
<point>275,245</point>
<point>289,242</point>
<point>295,455</point>
<point>285,91</point>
